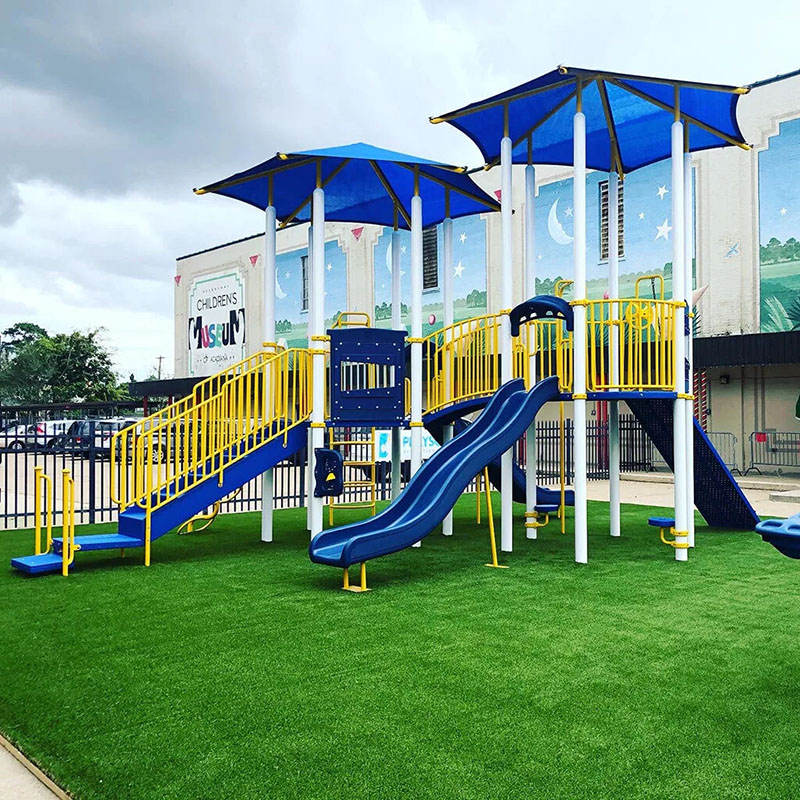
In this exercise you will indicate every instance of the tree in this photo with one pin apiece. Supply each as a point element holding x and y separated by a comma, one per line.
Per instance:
<point>66,367</point>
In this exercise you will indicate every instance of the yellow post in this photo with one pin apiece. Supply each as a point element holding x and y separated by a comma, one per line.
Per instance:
<point>147,538</point>
<point>37,510</point>
<point>362,584</point>
<point>478,492</point>
<point>363,576</point>
<point>490,514</point>
<point>346,579</point>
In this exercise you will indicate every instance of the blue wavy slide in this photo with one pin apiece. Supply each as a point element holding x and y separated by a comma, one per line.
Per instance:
<point>439,482</point>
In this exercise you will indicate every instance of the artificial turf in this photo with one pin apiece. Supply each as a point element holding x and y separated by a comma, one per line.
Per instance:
<point>235,669</point>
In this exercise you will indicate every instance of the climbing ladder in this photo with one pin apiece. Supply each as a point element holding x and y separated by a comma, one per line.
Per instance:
<point>358,458</point>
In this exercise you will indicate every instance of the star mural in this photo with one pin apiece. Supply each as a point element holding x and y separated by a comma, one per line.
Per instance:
<point>663,230</point>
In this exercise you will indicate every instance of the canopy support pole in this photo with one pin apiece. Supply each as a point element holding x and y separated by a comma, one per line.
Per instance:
<point>579,336</point>
<point>689,286</point>
<point>309,332</point>
<point>397,324</point>
<point>530,291</point>
<point>613,406</point>
<point>679,294</point>
<point>317,292</point>
<point>506,276</point>
<point>270,250</point>
<point>416,329</point>
<point>447,303</point>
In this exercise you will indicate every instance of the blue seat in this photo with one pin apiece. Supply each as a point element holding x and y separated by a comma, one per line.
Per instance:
<point>545,508</point>
<point>662,522</point>
<point>782,534</point>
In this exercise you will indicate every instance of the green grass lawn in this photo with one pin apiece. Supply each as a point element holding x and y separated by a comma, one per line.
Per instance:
<point>235,669</point>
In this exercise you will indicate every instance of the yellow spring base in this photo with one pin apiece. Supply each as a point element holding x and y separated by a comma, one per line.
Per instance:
<point>536,522</point>
<point>497,566</point>
<point>359,587</point>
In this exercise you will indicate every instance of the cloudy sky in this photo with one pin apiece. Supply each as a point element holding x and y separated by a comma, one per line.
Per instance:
<point>110,112</point>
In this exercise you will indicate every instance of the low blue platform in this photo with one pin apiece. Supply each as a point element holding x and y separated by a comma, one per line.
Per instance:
<point>661,522</point>
<point>131,524</point>
<point>782,534</point>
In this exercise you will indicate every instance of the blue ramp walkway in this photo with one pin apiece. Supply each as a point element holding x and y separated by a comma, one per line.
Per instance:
<point>439,482</point>
<point>717,496</point>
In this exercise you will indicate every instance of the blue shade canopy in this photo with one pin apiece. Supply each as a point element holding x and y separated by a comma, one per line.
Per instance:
<point>628,118</point>
<point>362,183</point>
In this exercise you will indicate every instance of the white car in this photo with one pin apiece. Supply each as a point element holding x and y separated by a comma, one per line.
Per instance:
<point>14,438</point>
<point>44,434</point>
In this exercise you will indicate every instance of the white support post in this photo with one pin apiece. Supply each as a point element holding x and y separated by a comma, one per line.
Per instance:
<point>397,324</point>
<point>447,302</point>
<point>613,406</point>
<point>530,291</point>
<point>579,336</point>
<point>688,239</point>
<point>506,356</point>
<point>416,331</point>
<point>317,291</point>
<point>309,329</point>
<point>679,294</point>
<point>270,248</point>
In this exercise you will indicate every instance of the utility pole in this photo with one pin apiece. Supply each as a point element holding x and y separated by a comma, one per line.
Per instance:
<point>160,359</point>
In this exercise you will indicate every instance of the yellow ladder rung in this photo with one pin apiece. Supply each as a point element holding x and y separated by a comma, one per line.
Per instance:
<point>358,463</point>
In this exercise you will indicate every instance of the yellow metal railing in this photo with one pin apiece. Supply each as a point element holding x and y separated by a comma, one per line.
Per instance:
<point>353,319</point>
<point>43,495</point>
<point>463,360</point>
<point>68,546</point>
<point>640,334</point>
<point>230,415</point>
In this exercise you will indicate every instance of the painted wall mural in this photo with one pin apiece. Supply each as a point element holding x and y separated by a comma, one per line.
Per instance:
<point>647,232</point>
<point>469,276</point>
<point>779,239</point>
<point>291,321</point>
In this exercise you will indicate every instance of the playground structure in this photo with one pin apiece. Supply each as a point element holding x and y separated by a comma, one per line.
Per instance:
<point>505,365</point>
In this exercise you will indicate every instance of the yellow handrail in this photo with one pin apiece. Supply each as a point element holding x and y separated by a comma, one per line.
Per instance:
<point>652,278</point>
<point>42,481</point>
<point>361,320</point>
<point>68,546</point>
<point>259,399</point>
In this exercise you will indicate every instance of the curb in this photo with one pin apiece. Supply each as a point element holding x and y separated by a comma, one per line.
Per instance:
<point>34,770</point>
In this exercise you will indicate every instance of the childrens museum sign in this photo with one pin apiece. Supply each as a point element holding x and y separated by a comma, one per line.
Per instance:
<point>216,329</point>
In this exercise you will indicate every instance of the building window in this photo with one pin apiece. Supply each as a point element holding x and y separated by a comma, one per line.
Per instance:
<point>304,270</point>
<point>430,258</point>
<point>604,220</point>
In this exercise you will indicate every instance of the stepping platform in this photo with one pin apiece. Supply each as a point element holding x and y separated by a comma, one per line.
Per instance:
<point>38,565</point>
<point>545,508</point>
<point>101,541</point>
<point>662,522</point>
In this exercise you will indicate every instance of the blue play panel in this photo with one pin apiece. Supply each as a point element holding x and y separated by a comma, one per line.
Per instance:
<point>782,534</point>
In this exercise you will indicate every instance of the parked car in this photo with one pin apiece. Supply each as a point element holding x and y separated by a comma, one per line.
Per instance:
<point>78,438</point>
<point>45,434</point>
<point>13,437</point>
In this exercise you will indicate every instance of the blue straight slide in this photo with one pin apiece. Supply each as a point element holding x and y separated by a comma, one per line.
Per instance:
<point>439,482</point>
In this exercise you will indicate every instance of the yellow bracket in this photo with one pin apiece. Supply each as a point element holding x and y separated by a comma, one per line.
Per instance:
<point>672,542</point>
<point>416,424</point>
<point>317,351</point>
<point>579,397</point>
<point>317,425</point>
<point>415,339</point>
<point>684,396</point>
<point>579,302</point>
<point>321,338</point>
<point>536,523</point>
<point>362,585</point>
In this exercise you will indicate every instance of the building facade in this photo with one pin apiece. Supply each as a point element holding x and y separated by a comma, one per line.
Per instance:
<point>746,271</point>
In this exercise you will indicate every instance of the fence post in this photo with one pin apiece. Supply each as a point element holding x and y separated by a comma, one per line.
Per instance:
<point>92,472</point>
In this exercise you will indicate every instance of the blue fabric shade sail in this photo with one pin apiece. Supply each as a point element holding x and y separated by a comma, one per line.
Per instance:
<point>362,183</point>
<point>628,118</point>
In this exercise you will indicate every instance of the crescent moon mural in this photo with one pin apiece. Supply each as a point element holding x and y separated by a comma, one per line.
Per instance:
<point>279,293</point>
<point>389,260</point>
<point>555,228</point>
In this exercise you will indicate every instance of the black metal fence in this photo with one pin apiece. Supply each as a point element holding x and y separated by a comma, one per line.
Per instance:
<point>83,447</point>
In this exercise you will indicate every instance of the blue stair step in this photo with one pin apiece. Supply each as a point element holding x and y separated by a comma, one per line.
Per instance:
<point>662,522</point>
<point>545,508</point>
<point>101,541</point>
<point>38,565</point>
